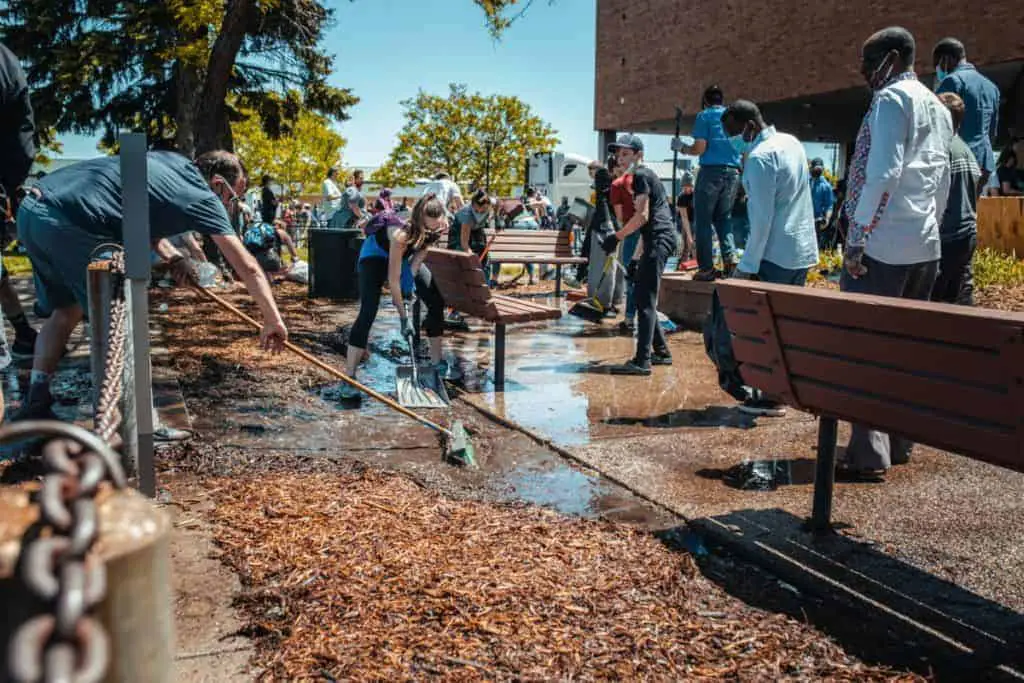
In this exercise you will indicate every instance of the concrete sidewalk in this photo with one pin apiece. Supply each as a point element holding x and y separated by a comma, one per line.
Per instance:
<point>940,542</point>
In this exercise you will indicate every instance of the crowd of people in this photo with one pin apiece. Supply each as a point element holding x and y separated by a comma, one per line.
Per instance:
<point>905,216</point>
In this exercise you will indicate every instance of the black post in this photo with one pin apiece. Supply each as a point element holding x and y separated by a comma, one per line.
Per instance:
<point>499,356</point>
<point>824,475</point>
<point>675,160</point>
<point>558,281</point>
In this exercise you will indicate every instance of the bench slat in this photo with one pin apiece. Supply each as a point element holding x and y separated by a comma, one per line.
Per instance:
<point>986,443</point>
<point>918,356</point>
<point>555,260</point>
<point>938,322</point>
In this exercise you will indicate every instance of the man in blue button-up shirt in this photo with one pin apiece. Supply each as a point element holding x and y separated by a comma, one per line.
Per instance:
<point>822,198</point>
<point>782,245</point>
<point>717,183</point>
<point>953,73</point>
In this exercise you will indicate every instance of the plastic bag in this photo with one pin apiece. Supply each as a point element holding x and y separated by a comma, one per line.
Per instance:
<point>299,272</point>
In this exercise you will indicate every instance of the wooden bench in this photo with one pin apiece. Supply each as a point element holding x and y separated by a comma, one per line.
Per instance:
<point>946,376</point>
<point>464,286</point>
<point>535,246</point>
<point>685,300</point>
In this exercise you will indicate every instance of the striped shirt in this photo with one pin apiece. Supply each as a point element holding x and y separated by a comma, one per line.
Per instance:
<point>961,217</point>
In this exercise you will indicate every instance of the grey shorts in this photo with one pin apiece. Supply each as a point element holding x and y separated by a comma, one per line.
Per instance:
<point>60,253</point>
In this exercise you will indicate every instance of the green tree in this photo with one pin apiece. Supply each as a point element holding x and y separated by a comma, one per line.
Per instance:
<point>450,134</point>
<point>171,68</point>
<point>300,156</point>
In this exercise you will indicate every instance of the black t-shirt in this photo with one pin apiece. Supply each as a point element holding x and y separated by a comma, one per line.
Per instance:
<point>1013,176</point>
<point>659,222</point>
<point>17,150</point>
<point>685,201</point>
<point>268,205</point>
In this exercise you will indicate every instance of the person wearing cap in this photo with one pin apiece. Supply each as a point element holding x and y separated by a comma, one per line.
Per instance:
<point>652,218</point>
<point>822,197</point>
<point>383,201</point>
<point>954,74</point>
<point>717,183</point>
<point>782,246</point>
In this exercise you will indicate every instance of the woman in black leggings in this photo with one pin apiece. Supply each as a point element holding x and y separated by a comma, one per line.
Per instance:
<point>394,253</point>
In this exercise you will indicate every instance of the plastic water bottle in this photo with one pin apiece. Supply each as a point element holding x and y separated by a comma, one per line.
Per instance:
<point>206,273</point>
<point>716,253</point>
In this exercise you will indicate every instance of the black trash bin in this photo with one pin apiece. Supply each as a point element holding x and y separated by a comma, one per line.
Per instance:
<point>333,263</point>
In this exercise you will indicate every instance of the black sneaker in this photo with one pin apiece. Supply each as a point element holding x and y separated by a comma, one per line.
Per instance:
<point>661,358</point>
<point>627,328</point>
<point>705,276</point>
<point>762,407</point>
<point>37,406</point>
<point>631,367</point>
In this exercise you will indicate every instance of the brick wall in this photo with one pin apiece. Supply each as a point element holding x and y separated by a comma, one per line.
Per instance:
<point>655,54</point>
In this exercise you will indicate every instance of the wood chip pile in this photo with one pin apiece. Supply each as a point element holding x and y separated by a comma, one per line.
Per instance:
<point>369,576</point>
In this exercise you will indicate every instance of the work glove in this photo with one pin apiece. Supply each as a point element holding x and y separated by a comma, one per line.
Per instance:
<point>609,243</point>
<point>407,331</point>
<point>677,145</point>
<point>852,261</point>
<point>183,270</point>
<point>631,270</point>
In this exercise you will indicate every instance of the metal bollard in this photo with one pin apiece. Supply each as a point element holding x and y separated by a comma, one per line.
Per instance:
<point>133,543</point>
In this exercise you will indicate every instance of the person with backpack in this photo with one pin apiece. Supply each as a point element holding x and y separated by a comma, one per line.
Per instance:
<point>264,242</point>
<point>393,253</point>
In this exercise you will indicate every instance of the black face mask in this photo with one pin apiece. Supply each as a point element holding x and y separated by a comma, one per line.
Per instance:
<point>816,172</point>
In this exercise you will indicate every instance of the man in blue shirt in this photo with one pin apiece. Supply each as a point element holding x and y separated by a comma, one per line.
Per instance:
<point>822,198</point>
<point>782,246</point>
<point>953,73</point>
<point>717,183</point>
<point>69,215</point>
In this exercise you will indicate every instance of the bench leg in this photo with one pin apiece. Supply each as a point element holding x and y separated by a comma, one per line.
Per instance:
<point>558,281</point>
<point>499,356</point>
<point>824,475</point>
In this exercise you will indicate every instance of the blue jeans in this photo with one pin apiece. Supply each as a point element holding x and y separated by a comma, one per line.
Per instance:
<point>628,249</point>
<point>769,272</point>
<point>713,198</point>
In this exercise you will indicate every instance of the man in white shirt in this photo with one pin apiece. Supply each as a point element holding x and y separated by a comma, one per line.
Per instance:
<point>898,188</point>
<point>782,245</point>
<point>447,191</point>
<point>332,196</point>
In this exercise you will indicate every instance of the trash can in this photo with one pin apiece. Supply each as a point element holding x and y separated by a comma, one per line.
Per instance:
<point>333,263</point>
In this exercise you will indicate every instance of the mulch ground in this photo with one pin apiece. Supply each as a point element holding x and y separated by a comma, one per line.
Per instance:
<point>371,577</point>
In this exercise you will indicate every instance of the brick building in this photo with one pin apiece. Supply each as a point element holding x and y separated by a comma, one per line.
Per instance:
<point>799,61</point>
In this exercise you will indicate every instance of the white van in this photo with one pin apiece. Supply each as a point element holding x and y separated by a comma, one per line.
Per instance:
<point>560,174</point>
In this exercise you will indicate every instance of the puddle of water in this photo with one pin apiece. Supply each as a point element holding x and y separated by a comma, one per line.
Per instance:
<point>562,488</point>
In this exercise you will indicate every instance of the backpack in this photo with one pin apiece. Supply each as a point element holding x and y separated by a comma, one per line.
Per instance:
<point>259,237</point>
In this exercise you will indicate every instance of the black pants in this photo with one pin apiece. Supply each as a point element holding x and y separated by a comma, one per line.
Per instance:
<point>955,284</point>
<point>645,293</point>
<point>373,273</point>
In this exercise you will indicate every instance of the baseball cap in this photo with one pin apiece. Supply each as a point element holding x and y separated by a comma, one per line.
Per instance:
<point>627,141</point>
<point>816,162</point>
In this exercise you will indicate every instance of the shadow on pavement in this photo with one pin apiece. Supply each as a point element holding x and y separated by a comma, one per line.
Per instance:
<point>876,606</point>
<point>711,416</point>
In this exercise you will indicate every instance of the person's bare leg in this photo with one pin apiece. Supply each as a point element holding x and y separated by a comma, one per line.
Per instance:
<point>53,337</point>
<point>436,350</point>
<point>24,334</point>
<point>353,357</point>
<point>9,301</point>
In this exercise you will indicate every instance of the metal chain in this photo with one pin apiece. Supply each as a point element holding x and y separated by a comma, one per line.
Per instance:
<point>64,641</point>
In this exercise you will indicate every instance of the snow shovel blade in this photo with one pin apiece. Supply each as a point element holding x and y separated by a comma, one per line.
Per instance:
<point>429,392</point>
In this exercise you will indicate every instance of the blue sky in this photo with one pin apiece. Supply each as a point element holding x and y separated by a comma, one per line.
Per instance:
<point>386,50</point>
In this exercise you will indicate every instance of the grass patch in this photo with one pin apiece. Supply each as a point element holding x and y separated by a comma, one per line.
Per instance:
<point>993,267</point>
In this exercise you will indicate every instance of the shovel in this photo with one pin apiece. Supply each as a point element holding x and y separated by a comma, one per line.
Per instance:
<point>415,391</point>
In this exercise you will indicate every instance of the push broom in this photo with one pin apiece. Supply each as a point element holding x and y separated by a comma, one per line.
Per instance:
<point>458,448</point>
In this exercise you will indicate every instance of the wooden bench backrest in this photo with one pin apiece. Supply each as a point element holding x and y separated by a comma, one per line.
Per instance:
<point>462,283</point>
<point>947,376</point>
<point>531,243</point>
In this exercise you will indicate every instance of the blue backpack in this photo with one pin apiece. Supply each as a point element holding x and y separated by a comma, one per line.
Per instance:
<point>259,237</point>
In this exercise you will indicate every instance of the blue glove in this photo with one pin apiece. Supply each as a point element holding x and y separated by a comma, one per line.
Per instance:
<point>609,243</point>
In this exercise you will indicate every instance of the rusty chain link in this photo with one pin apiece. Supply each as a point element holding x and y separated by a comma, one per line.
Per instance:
<point>64,642</point>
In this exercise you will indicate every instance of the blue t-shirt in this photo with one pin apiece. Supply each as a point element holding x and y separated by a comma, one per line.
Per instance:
<point>89,195</point>
<point>708,126</point>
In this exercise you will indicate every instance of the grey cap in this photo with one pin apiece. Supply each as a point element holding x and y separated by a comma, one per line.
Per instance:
<point>627,141</point>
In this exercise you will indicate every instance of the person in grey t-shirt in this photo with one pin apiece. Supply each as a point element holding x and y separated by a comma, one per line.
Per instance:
<point>352,213</point>
<point>958,229</point>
